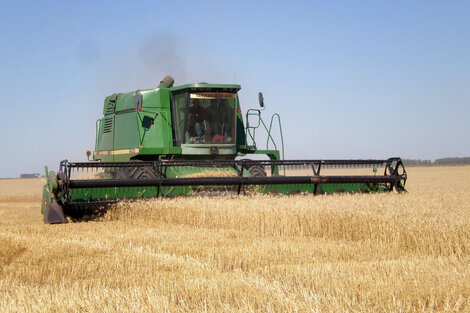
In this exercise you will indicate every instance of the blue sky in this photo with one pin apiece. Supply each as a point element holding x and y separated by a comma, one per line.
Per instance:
<point>350,79</point>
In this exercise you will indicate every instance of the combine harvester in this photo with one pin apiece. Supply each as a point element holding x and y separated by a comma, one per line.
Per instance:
<point>190,139</point>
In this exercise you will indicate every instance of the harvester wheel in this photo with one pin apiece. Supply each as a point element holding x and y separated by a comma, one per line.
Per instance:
<point>135,172</point>
<point>142,173</point>
<point>257,171</point>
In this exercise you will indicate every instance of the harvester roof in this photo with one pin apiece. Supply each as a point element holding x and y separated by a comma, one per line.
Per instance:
<point>225,87</point>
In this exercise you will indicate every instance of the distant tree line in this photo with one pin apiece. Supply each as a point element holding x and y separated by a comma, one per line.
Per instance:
<point>30,175</point>
<point>443,161</point>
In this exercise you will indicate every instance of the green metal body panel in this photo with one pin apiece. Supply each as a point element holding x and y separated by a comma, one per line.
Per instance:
<point>127,127</point>
<point>45,196</point>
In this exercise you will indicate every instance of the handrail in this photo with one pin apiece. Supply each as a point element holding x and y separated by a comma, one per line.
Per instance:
<point>251,130</point>
<point>97,132</point>
<point>248,127</point>
<point>280,130</point>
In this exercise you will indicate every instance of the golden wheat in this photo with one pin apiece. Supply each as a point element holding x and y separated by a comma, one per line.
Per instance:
<point>211,173</point>
<point>342,253</point>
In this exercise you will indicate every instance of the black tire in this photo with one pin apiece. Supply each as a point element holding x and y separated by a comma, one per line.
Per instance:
<point>257,171</point>
<point>142,173</point>
<point>135,172</point>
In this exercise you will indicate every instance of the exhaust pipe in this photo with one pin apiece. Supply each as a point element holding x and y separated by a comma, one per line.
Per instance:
<point>166,82</point>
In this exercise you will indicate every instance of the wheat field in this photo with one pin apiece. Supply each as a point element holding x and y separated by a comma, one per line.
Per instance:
<point>341,253</point>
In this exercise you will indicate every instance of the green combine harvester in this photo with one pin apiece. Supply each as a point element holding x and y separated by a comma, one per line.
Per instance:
<point>188,140</point>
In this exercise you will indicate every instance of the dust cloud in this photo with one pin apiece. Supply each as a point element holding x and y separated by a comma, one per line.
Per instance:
<point>140,66</point>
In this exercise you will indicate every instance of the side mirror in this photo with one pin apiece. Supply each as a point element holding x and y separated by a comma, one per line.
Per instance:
<point>261,99</point>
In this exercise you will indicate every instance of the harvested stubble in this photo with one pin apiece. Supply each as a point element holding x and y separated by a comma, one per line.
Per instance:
<point>342,253</point>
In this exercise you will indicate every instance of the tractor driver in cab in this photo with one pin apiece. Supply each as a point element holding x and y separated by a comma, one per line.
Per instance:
<point>196,115</point>
<point>218,115</point>
<point>215,118</point>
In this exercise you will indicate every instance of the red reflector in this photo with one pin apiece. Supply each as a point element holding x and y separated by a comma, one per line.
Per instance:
<point>239,111</point>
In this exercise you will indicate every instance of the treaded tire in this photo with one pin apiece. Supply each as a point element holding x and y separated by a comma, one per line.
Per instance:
<point>135,172</point>
<point>142,173</point>
<point>257,171</point>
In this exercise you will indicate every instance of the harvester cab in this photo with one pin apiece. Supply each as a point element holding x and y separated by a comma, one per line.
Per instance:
<point>192,121</point>
<point>183,140</point>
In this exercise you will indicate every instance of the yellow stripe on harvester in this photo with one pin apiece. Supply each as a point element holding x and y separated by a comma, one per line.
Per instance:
<point>117,152</point>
